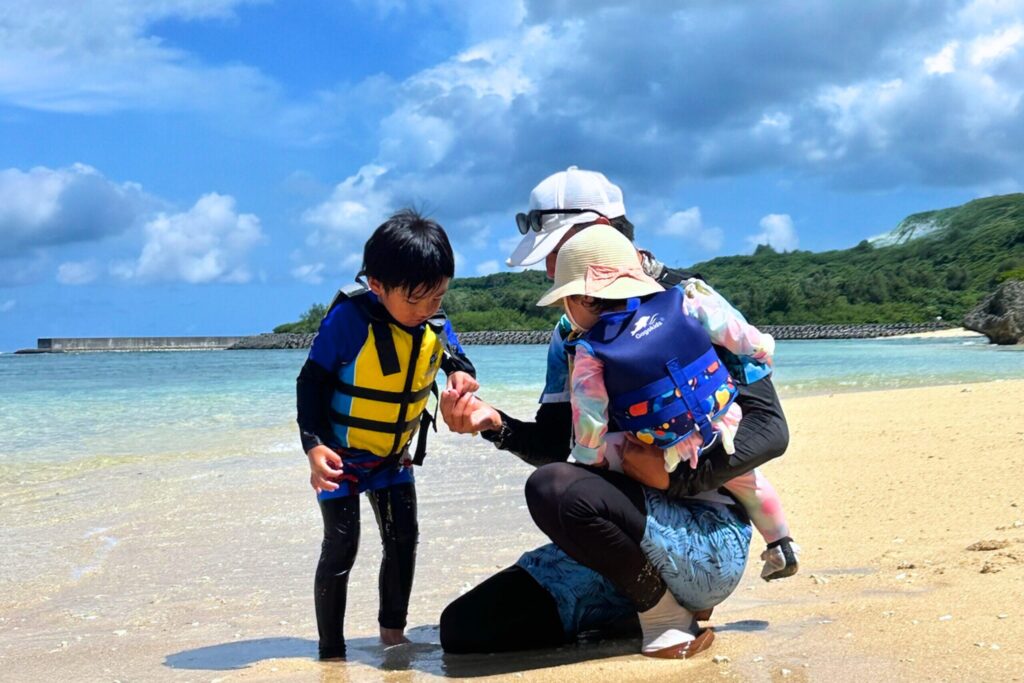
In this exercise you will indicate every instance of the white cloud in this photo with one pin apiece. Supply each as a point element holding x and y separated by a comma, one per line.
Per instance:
<point>483,126</point>
<point>944,61</point>
<point>415,139</point>
<point>71,56</point>
<point>44,207</point>
<point>8,306</point>
<point>689,225</point>
<point>311,273</point>
<point>355,208</point>
<point>776,230</point>
<point>488,267</point>
<point>996,46</point>
<point>208,243</point>
<point>77,272</point>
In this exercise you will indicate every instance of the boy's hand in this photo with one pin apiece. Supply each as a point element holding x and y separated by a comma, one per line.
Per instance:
<point>467,414</point>
<point>324,467</point>
<point>462,382</point>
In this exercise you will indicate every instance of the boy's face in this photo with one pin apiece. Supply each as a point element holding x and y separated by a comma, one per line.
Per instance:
<point>410,308</point>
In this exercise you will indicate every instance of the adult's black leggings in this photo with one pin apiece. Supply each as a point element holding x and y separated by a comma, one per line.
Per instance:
<point>395,510</point>
<point>598,519</point>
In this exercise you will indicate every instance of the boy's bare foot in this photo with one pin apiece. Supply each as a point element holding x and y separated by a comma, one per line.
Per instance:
<point>393,636</point>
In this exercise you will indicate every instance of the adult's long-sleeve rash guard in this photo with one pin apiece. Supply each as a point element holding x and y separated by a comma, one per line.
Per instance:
<point>762,436</point>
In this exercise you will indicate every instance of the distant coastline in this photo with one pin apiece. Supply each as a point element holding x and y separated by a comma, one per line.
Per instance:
<point>272,340</point>
<point>780,332</point>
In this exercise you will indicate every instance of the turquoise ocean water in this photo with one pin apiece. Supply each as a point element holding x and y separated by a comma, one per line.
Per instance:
<point>161,520</point>
<point>58,408</point>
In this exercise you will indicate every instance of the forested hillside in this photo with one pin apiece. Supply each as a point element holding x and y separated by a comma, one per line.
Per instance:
<point>937,263</point>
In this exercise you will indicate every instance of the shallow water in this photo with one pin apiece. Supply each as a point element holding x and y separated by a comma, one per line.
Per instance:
<point>160,518</point>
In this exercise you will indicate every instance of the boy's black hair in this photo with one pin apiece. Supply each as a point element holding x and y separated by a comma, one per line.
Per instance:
<point>408,251</point>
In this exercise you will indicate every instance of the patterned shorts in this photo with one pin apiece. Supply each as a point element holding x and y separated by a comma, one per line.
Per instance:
<point>700,550</point>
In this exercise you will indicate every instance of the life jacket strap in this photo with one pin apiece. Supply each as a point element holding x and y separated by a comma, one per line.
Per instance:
<point>693,387</point>
<point>679,375</point>
<point>426,422</point>
<point>373,425</point>
<point>386,351</point>
<point>381,395</point>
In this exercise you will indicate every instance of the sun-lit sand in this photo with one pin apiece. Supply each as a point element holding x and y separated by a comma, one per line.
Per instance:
<point>907,503</point>
<point>941,334</point>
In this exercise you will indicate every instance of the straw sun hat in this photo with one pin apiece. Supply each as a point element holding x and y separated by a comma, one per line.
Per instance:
<point>600,262</point>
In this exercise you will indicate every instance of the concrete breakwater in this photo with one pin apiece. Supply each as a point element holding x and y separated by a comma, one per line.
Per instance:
<point>864,331</point>
<point>271,340</point>
<point>303,341</point>
<point>79,344</point>
<point>851,331</point>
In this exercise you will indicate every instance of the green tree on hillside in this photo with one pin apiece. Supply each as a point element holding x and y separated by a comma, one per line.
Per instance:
<point>942,272</point>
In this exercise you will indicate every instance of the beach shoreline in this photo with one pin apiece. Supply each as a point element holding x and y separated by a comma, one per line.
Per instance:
<point>204,572</point>
<point>950,333</point>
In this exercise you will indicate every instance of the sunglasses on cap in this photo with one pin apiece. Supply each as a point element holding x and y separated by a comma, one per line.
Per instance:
<point>534,220</point>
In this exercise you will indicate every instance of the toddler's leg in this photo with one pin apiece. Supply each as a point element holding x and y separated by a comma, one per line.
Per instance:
<point>395,509</point>
<point>761,501</point>
<point>337,555</point>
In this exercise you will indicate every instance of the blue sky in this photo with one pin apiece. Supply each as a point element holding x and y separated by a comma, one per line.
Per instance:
<point>213,166</point>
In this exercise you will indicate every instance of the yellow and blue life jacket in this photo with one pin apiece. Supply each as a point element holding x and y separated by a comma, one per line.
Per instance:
<point>385,374</point>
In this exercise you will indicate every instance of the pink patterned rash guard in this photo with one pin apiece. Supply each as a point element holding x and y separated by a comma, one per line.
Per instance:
<point>727,328</point>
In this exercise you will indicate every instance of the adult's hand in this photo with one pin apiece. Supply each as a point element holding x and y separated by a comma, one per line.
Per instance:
<point>467,414</point>
<point>644,463</point>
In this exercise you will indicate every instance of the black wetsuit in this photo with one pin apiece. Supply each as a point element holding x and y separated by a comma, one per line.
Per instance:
<point>586,512</point>
<point>395,510</point>
<point>392,496</point>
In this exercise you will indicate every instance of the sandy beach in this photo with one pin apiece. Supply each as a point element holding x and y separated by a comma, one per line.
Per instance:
<point>942,334</point>
<point>913,561</point>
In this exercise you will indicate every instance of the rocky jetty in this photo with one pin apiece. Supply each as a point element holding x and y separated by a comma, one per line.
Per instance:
<point>867,331</point>
<point>861,331</point>
<point>508,337</point>
<point>270,340</point>
<point>1000,315</point>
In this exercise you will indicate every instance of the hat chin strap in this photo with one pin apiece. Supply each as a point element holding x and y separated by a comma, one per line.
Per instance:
<point>568,314</point>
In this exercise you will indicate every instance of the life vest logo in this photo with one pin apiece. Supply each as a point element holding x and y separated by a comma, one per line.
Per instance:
<point>645,325</point>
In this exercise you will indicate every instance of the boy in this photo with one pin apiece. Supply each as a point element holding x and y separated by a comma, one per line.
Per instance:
<point>361,396</point>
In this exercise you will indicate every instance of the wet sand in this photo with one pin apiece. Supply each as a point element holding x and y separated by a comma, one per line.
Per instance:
<point>199,567</point>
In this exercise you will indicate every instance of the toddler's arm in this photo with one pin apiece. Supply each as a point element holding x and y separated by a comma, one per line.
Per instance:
<point>688,450</point>
<point>726,326</point>
<point>589,399</point>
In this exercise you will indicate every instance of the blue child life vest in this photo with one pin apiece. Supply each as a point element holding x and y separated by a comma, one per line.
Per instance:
<point>663,377</point>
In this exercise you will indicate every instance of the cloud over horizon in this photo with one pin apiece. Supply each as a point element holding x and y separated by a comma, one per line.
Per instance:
<point>207,243</point>
<point>45,207</point>
<point>848,94</point>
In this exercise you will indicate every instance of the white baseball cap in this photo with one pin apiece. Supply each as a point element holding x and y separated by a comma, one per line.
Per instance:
<point>568,189</point>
